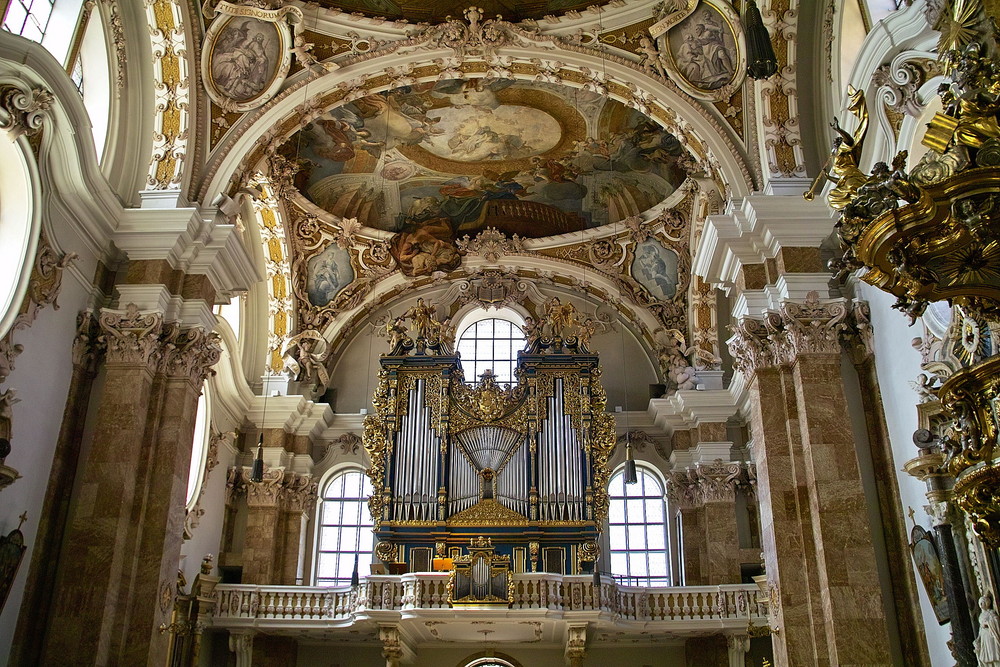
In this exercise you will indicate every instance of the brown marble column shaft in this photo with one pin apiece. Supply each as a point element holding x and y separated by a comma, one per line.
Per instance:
<point>785,539</point>
<point>187,355</point>
<point>855,622</point>
<point>263,531</point>
<point>723,563</point>
<point>818,542</point>
<point>695,547</point>
<point>117,570</point>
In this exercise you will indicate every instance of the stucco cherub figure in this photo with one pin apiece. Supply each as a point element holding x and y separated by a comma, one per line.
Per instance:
<point>672,352</point>
<point>305,358</point>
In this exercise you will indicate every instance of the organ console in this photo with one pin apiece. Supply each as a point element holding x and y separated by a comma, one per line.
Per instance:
<point>524,467</point>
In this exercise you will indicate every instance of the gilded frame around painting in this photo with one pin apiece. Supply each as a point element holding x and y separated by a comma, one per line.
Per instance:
<point>247,54</point>
<point>705,52</point>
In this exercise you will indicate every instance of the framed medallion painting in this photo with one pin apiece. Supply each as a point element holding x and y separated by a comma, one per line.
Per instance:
<point>247,55</point>
<point>706,51</point>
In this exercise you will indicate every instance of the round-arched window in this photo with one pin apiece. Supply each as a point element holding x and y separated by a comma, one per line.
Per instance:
<point>637,530</point>
<point>492,344</point>
<point>345,528</point>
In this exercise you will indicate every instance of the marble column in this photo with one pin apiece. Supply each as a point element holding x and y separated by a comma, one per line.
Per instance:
<point>117,573</point>
<point>276,508</point>
<point>823,569</point>
<point>717,483</point>
<point>846,562</point>
<point>241,643</point>
<point>392,644</point>
<point>682,492</point>
<point>786,533</point>
<point>739,646</point>
<point>299,500</point>
<point>260,561</point>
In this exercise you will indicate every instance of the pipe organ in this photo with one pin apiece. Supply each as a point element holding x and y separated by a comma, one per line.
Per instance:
<point>524,466</point>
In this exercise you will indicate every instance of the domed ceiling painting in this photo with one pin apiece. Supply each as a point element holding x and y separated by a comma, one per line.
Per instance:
<point>448,159</point>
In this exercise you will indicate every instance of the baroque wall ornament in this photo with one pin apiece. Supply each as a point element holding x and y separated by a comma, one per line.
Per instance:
<point>44,286</point>
<point>247,54</point>
<point>168,40</point>
<point>783,154</point>
<point>23,110</point>
<point>131,337</point>
<point>704,51</point>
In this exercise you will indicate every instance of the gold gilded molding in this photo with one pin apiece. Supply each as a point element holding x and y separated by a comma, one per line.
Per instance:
<point>972,397</point>
<point>168,42</point>
<point>488,512</point>
<point>977,493</point>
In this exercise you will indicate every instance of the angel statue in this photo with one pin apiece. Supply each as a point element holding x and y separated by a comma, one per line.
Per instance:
<point>305,358</point>
<point>844,157</point>
<point>679,362</point>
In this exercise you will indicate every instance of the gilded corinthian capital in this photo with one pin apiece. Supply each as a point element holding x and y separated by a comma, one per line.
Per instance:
<point>131,337</point>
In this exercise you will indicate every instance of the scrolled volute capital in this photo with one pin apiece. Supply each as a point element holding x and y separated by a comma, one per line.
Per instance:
<point>190,353</point>
<point>682,488</point>
<point>132,337</point>
<point>23,111</point>
<point>812,327</point>
<point>717,481</point>
<point>299,494</point>
<point>268,491</point>
<point>750,346</point>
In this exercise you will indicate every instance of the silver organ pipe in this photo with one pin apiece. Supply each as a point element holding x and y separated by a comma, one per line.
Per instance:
<point>560,465</point>
<point>500,449</point>
<point>415,471</point>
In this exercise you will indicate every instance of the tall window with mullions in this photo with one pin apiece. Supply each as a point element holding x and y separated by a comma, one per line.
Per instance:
<point>638,531</point>
<point>28,18</point>
<point>345,529</point>
<point>490,344</point>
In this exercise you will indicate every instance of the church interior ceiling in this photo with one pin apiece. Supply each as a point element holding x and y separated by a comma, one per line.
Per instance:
<point>420,10</point>
<point>459,168</point>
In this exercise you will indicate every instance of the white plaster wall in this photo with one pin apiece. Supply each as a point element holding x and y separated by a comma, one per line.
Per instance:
<point>41,379</point>
<point>897,364</point>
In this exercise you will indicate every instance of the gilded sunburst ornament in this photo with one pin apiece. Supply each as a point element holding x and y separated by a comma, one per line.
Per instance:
<point>958,30</point>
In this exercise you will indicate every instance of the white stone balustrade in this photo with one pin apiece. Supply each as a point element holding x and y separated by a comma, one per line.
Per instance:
<point>240,605</point>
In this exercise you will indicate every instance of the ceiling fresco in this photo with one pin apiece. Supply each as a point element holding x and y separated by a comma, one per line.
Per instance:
<point>439,10</point>
<point>448,159</point>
